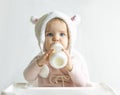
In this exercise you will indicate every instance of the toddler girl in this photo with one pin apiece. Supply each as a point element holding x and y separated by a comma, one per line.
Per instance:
<point>51,28</point>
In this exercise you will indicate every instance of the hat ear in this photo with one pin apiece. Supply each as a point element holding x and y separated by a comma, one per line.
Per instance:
<point>76,19</point>
<point>33,19</point>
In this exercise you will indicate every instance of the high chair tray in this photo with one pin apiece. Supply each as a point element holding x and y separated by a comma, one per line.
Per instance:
<point>25,89</point>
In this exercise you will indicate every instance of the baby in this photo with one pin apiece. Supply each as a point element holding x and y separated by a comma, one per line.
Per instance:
<point>51,28</point>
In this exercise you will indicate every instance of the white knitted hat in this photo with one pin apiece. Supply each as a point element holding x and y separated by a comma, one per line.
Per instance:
<point>40,26</point>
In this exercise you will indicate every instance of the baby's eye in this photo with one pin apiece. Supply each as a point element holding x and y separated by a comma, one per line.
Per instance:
<point>62,34</point>
<point>49,34</point>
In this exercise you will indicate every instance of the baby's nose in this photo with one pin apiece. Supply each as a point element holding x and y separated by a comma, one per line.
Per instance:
<point>55,38</point>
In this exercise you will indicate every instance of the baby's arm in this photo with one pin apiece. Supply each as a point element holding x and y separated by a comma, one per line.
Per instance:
<point>36,66</point>
<point>32,71</point>
<point>79,73</point>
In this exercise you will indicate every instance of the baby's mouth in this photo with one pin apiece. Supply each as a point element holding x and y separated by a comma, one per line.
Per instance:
<point>57,46</point>
<point>55,43</point>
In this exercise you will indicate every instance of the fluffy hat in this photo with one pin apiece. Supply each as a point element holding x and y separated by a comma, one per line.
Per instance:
<point>40,26</point>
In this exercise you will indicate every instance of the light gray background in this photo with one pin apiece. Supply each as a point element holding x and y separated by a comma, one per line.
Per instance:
<point>98,39</point>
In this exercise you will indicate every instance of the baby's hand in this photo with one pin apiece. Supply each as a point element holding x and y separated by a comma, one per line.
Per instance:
<point>44,58</point>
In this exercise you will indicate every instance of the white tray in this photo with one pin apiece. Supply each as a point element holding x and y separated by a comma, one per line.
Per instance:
<point>25,89</point>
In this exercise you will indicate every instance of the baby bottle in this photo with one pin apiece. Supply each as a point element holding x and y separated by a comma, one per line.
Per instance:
<point>58,59</point>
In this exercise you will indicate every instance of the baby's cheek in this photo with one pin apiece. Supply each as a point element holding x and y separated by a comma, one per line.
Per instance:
<point>65,45</point>
<point>47,44</point>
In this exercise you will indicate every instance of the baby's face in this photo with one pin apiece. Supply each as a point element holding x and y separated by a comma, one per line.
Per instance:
<point>56,32</point>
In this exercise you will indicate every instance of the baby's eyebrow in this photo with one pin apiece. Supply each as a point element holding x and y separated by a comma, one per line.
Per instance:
<point>63,32</point>
<point>46,31</point>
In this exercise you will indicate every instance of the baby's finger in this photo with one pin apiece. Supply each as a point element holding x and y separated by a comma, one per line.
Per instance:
<point>48,53</point>
<point>45,56</point>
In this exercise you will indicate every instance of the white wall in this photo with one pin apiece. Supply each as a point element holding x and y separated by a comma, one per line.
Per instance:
<point>98,38</point>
